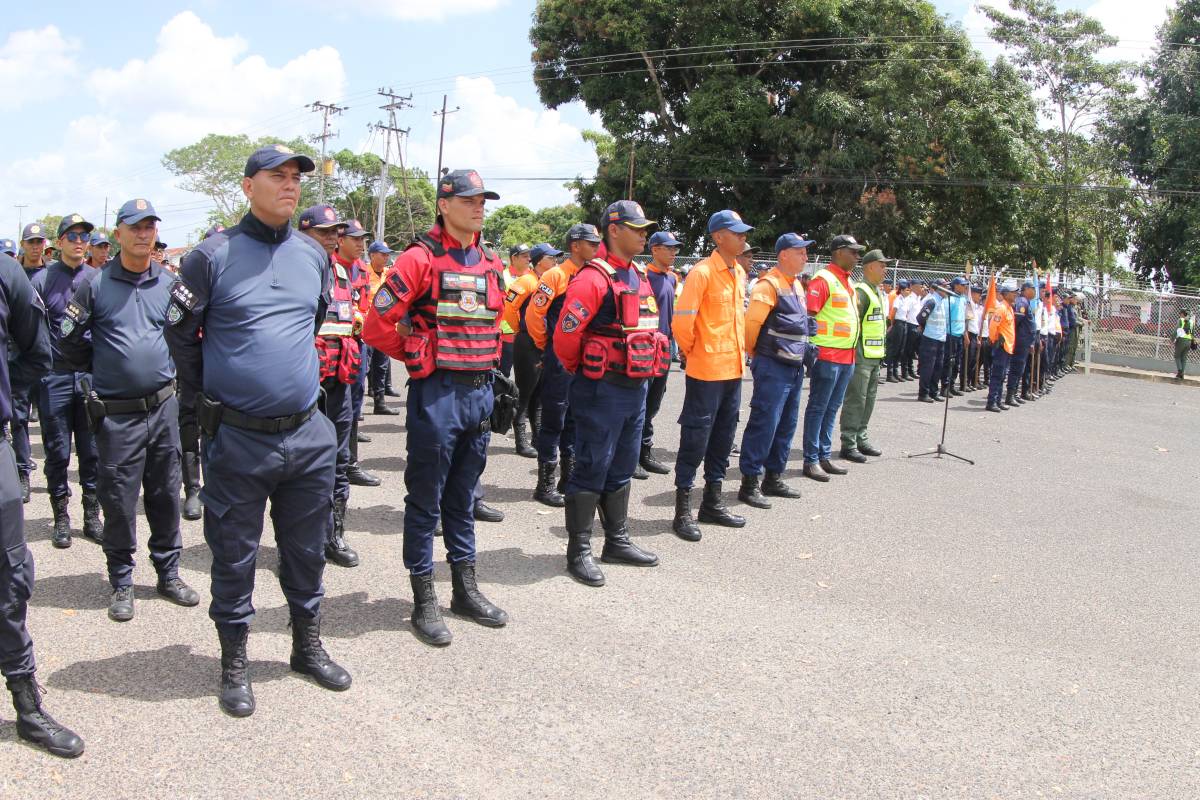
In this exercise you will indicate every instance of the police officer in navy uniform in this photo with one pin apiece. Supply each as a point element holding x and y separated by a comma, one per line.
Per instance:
<point>23,327</point>
<point>240,327</point>
<point>61,397</point>
<point>448,287</point>
<point>609,340</point>
<point>663,281</point>
<point>340,364</point>
<point>8,247</point>
<point>115,324</point>
<point>1023,314</point>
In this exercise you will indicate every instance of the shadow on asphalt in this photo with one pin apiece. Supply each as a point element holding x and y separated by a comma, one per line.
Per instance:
<point>346,616</point>
<point>173,672</point>
<point>511,566</point>
<point>384,464</point>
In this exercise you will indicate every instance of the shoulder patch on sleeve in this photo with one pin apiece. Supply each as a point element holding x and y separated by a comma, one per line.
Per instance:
<point>569,322</point>
<point>184,296</point>
<point>543,295</point>
<point>384,300</point>
<point>511,296</point>
<point>398,288</point>
<point>579,310</point>
<point>76,313</point>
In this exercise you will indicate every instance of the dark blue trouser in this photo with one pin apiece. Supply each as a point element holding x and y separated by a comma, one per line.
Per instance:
<point>608,434</point>
<point>774,414</point>
<point>377,365</point>
<point>244,469</point>
<point>140,453</point>
<point>557,434</point>
<point>1000,359</point>
<point>952,360</point>
<point>707,426</point>
<point>63,417</point>
<point>358,388</point>
<point>654,398</point>
<point>1016,365</point>
<point>23,398</point>
<point>447,452</point>
<point>929,365</point>
<point>827,384</point>
<point>336,406</point>
<point>16,573</point>
<point>506,358</point>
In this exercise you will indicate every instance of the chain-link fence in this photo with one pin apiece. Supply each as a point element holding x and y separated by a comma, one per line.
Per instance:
<point>1131,327</point>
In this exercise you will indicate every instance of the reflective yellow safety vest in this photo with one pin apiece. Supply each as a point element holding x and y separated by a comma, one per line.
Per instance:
<point>874,328</point>
<point>837,321</point>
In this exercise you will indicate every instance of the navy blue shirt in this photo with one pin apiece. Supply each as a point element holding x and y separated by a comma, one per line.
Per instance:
<point>243,317</point>
<point>1025,323</point>
<point>56,285</point>
<point>125,313</point>
<point>23,334</point>
<point>663,286</point>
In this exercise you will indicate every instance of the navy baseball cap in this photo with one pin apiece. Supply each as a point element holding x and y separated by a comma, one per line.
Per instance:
<point>378,246</point>
<point>273,155</point>
<point>322,216</point>
<point>34,230</point>
<point>8,246</point>
<point>941,285</point>
<point>540,251</point>
<point>728,220</point>
<point>159,244</point>
<point>959,280</point>
<point>72,221</point>
<point>977,289</point>
<point>134,211</point>
<point>214,230</point>
<point>626,212</point>
<point>1027,285</point>
<point>790,240</point>
<point>354,228</point>
<point>519,249</point>
<point>585,232</point>
<point>902,283</point>
<point>463,183</point>
<point>845,242</point>
<point>99,240</point>
<point>665,239</point>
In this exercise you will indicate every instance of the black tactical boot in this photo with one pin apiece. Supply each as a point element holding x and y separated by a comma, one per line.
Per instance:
<point>382,408</point>
<point>614,517</point>
<point>545,492</point>
<point>309,656</point>
<point>650,463</point>
<point>467,601</point>
<point>581,510</point>
<point>336,549</point>
<point>62,522</point>
<point>521,435</point>
<point>191,486</point>
<point>773,486</point>
<point>236,695</point>
<point>713,508</point>
<point>93,527</point>
<point>24,487</point>
<point>174,589</point>
<point>564,474</point>
<point>891,375</point>
<point>37,726</point>
<point>120,605</point>
<point>684,524</point>
<point>1010,399</point>
<point>815,472</point>
<point>992,407</point>
<point>427,619</point>
<point>750,494</point>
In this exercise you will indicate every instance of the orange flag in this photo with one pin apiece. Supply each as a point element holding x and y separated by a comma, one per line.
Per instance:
<point>990,302</point>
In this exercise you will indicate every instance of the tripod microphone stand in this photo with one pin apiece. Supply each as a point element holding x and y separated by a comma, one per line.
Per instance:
<point>940,450</point>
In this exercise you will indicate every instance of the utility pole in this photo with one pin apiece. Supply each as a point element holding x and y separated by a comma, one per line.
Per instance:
<point>629,189</point>
<point>20,217</point>
<point>442,135</point>
<point>395,103</point>
<point>327,110</point>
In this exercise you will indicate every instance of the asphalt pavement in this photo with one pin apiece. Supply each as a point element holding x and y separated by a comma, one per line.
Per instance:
<point>920,628</point>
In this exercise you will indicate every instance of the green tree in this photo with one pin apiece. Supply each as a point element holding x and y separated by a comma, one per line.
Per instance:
<point>1056,53</point>
<point>1157,137</point>
<point>515,224</point>
<point>353,190</point>
<point>873,117</point>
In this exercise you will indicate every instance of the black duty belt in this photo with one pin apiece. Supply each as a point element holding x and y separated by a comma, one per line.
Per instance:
<point>138,405</point>
<point>474,379</point>
<point>211,415</point>
<point>621,379</point>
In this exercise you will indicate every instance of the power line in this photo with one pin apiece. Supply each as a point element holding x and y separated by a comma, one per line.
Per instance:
<point>395,103</point>
<point>326,110</point>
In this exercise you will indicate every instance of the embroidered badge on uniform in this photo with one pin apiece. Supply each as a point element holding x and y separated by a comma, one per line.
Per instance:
<point>651,305</point>
<point>174,314</point>
<point>67,327</point>
<point>181,294</point>
<point>511,296</point>
<point>468,301</point>
<point>569,322</point>
<point>541,300</point>
<point>384,300</point>
<point>579,310</point>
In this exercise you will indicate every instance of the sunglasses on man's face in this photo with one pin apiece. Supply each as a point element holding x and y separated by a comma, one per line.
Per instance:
<point>78,236</point>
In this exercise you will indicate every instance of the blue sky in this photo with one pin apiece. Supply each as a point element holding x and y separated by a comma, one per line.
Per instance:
<point>96,93</point>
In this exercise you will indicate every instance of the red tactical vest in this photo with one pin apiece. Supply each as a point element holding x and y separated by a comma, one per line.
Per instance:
<point>632,344</point>
<point>337,350</point>
<point>455,324</point>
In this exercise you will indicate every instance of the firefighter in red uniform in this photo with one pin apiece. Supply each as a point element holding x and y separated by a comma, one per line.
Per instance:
<point>608,338</point>
<point>447,286</point>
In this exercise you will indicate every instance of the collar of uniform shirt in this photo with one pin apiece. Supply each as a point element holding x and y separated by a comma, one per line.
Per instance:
<point>653,267</point>
<point>255,228</point>
<point>129,276</point>
<point>617,262</point>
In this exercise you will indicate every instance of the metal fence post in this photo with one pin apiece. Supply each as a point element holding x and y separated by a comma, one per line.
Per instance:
<point>1087,348</point>
<point>1158,330</point>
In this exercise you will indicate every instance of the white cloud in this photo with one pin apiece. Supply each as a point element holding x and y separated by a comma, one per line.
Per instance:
<point>35,61</point>
<point>427,10</point>
<point>194,82</point>
<point>500,137</point>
